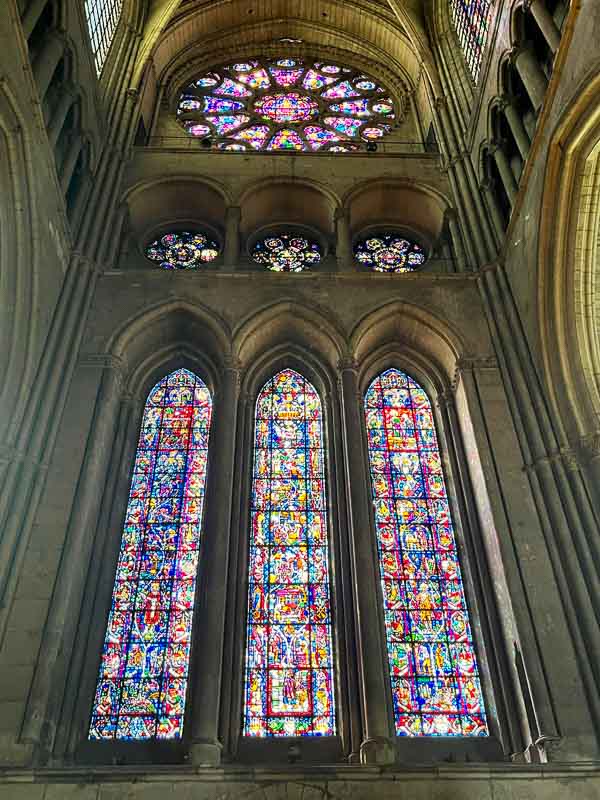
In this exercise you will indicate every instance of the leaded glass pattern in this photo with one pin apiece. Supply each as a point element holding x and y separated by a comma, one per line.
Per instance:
<point>286,252</point>
<point>434,675</point>
<point>102,20</point>
<point>182,250</point>
<point>289,651</point>
<point>471,19</point>
<point>286,104</point>
<point>142,684</point>
<point>389,252</point>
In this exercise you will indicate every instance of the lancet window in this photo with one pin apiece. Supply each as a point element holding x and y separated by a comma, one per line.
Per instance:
<point>433,667</point>
<point>142,684</point>
<point>102,19</point>
<point>289,689</point>
<point>471,22</point>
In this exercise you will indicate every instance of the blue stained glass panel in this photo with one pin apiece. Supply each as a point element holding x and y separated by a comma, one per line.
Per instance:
<point>142,684</point>
<point>289,652</point>
<point>431,652</point>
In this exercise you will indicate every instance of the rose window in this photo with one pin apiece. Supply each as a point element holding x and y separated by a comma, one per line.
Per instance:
<point>286,252</point>
<point>389,252</point>
<point>182,250</point>
<point>286,104</point>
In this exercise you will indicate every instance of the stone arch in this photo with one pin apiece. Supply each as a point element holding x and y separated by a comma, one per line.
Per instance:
<point>427,339</point>
<point>157,202</point>
<point>288,201</point>
<point>415,206</point>
<point>569,266</point>
<point>168,333</point>
<point>18,260</point>
<point>289,322</point>
<point>382,49</point>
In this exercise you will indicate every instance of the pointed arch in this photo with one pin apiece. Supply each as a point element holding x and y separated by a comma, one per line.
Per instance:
<point>433,668</point>
<point>142,683</point>
<point>289,689</point>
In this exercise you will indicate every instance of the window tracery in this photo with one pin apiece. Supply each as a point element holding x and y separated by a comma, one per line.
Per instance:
<point>289,652</point>
<point>102,19</point>
<point>142,683</point>
<point>433,666</point>
<point>286,252</point>
<point>471,23</point>
<point>182,250</point>
<point>286,104</point>
<point>389,252</point>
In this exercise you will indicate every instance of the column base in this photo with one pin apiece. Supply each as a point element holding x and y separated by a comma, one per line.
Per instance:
<point>205,754</point>
<point>377,751</point>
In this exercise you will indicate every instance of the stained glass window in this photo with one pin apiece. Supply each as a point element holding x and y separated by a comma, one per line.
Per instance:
<point>102,20</point>
<point>286,253</point>
<point>471,19</point>
<point>289,653</point>
<point>286,104</point>
<point>433,666</point>
<point>142,684</point>
<point>182,250</point>
<point>389,252</point>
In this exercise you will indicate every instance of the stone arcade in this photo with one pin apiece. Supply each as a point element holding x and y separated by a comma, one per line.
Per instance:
<point>300,409</point>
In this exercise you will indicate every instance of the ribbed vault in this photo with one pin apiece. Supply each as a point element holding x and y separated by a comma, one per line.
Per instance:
<point>183,37</point>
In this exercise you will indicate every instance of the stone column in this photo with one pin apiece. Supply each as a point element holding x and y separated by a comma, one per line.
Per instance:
<point>83,195</point>
<point>506,173</point>
<point>67,99</point>
<point>456,237</point>
<point>544,22</point>
<point>516,126</point>
<point>47,687</point>
<point>377,746</point>
<point>47,61</point>
<point>487,190</point>
<point>343,246</point>
<point>68,168</point>
<point>531,74</point>
<point>207,664</point>
<point>231,251</point>
<point>31,16</point>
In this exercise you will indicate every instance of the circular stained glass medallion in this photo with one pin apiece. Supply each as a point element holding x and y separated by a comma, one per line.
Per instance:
<point>389,252</point>
<point>286,252</point>
<point>286,104</point>
<point>182,250</point>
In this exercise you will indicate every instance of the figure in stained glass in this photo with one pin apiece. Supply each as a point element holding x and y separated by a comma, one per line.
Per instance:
<point>142,683</point>
<point>431,653</point>
<point>303,105</point>
<point>289,653</point>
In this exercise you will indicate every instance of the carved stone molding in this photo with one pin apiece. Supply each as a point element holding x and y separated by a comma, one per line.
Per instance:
<point>589,446</point>
<point>102,361</point>
<point>10,455</point>
<point>564,455</point>
<point>471,364</point>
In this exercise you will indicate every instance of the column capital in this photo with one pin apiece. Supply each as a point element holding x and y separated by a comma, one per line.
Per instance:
<point>233,211</point>
<point>341,213</point>
<point>378,750</point>
<point>589,445</point>
<point>348,364</point>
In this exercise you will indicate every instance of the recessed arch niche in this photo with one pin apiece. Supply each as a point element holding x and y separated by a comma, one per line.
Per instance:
<point>409,208</point>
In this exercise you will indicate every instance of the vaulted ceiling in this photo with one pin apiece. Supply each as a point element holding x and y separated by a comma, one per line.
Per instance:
<point>385,37</point>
